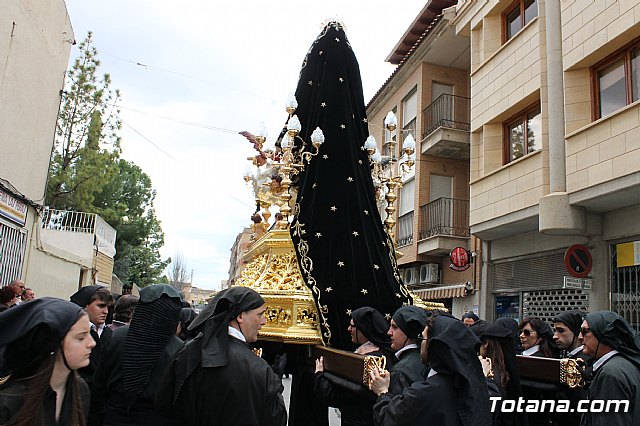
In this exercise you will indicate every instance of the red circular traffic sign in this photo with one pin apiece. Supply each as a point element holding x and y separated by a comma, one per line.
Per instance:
<point>578,261</point>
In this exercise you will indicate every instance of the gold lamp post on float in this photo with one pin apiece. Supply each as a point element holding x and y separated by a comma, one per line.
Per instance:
<point>292,162</point>
<point>389,171</point>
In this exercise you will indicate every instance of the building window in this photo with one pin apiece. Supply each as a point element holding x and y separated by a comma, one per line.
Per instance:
<point>409,113</point>
<point>517,16</point>
<point>523,134</point>
<point>405,213</point>
<point>616,81</point>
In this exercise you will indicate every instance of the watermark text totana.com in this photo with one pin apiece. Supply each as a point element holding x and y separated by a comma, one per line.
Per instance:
<point>522,405</point>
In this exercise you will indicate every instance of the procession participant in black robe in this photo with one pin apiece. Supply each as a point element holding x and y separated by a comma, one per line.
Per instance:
<point>615,348</point>
<point>470,318</point>
<point>368,329</point>
<point>455,391</point>
<point>406,324</point>
<point>536,337</point>
<point>497,345</point>
<point>96,300</point>
<point>134,359</point>
<point>512,325</point>
<point>187,315</point>
<point>566,333</point>
<point>345,256</point>
<point>44,342</point>
<point>216,379</point>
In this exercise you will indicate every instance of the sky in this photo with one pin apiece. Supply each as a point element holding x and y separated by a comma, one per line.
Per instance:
<point>192,74</point>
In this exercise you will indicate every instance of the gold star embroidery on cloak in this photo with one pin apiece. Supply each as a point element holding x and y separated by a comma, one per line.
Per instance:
<point>398,296</point>
<point>326,157</point>
<point>337,40</point>
<point>387,316</point>
<point>376,267</point>
<point>320,52</point>
<point>366,212</point>
<point>342,126</point>
<point>313,186</point>
<point>318,234</point>
<point>359,161</point>
<point>334,208</point>
<point>364,291</point>
<point>364,120</point>
<point>329,290</point>
<point>341,79</point>
<point>348,311</point>
<point>310,83</point>
<point>362,148</point>
<point>324,104</point>
<point>341,263</point>
<point>355,233</point>
<point>349,179</point>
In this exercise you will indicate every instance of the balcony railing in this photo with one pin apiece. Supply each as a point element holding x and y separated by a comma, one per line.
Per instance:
<point>80,222</point>
<point>445,216</point>
<point>405,229</point>
<point>448,111</point>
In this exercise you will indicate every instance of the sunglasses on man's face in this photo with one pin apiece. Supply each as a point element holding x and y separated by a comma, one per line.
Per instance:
<point>527,332</point>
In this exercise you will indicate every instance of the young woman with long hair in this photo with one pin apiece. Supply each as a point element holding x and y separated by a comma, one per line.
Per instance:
<point>43,343</point>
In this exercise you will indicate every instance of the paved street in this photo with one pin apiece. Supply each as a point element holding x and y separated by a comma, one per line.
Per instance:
<point>334,420</point>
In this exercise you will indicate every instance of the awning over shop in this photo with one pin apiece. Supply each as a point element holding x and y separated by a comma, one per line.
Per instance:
<point>444,292</point>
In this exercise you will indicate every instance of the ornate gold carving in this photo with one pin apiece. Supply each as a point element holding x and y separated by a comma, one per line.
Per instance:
<point>278,315</point>
<point>307,316</point>
<point>371,363</point>
<point>570,372</point>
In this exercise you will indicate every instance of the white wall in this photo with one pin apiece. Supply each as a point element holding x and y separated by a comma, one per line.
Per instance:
<point>35,43</point>
<point>49,275</point>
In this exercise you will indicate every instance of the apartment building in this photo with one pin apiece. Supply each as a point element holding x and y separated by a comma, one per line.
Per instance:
<point>429,92</point>
<point>555,153</point>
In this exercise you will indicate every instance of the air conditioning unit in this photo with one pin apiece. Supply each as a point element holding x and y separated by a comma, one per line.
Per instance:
<point>410,276</point>
<point>429,273</point>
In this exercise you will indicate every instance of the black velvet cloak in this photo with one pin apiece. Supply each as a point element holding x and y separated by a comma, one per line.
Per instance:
<point>345,256</point>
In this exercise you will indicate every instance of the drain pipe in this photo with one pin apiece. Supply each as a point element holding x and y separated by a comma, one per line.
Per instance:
<point>556,215</point>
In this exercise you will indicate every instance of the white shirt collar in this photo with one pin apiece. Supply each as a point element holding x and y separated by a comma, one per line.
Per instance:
<point>234,332</point>
<point>532,350</point>
<point>432,372</point>
<point>603,359</point>
<point>98,329</point>
<point>409,346</point>
<point>576,350</point>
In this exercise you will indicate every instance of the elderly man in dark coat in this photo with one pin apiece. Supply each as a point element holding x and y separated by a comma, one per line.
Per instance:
<point>455,391</point>
<point>216,379</point>
<point>615,348</point>
<point>406,324</point>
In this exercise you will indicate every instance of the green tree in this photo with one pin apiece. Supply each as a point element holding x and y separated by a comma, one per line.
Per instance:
<point>87,174</point>
<point>126,202</point>
<point>86,142</point>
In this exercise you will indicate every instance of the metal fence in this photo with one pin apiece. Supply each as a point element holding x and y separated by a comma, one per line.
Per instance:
<point>448,111</point>
<point>87,223</point>
<point>445,216</point>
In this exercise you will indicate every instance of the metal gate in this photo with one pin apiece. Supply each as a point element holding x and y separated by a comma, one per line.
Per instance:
<point>625,290</point>
<point>12,246</point>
